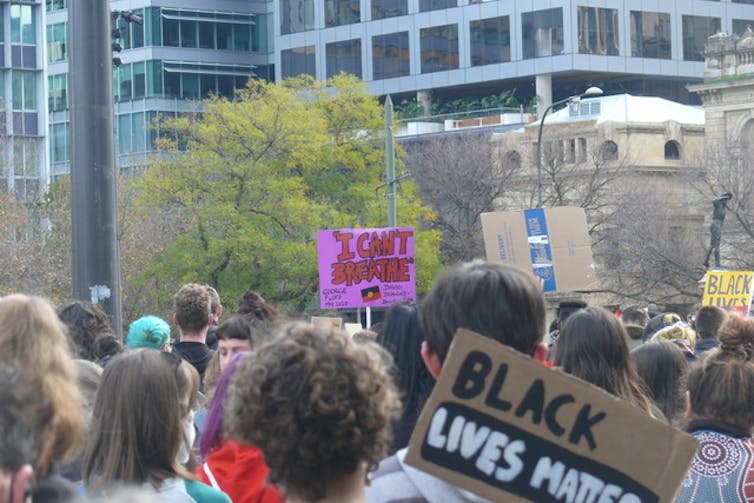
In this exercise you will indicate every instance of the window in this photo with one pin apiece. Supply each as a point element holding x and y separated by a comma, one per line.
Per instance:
<point>340,12</point>
<point>542,33</point>
<point>56,42</point>
<point>609,151</point>
<point>598,31</point>
<point>390,56</point>
<point>439,48</point>
<point>124,133</point>
<point>171,32</point>
<point>297,61</point>
<point>740,25</point>
<point>345,57</point>
<point>672,150</point>
<point>22,24</point>
<point>125,83</point>
<point>389,8</point>
<point>140,81</point>
<point>259,33</point>
<point>650,35</point>
<point>512,161</point>
<point>428,5</point>
<point>188,33</point>
<point>2,50</point>
<point>139,139</point>
<point>206,35</point>
<point>296,16</point>
<point>59,150</point>
<point>241,37</point>
<point>490,41</point>
<point>24,90</point>
<point>58,95</point>
<point>52,5</point>
<point>696,29</point>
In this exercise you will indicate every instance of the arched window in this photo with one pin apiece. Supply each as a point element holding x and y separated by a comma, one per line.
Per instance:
<point>609,151</point>
<point>672,150</point>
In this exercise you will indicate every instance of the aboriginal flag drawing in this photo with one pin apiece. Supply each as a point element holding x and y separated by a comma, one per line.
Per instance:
<point>370,294</point>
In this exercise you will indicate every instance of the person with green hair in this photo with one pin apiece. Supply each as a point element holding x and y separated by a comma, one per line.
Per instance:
<point>148,332</point>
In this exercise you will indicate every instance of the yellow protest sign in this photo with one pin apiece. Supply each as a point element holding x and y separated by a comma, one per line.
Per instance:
<point>731,290</point>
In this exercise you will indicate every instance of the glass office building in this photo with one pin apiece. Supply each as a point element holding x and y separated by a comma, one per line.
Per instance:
<point>23,160</point>
<point>177,56</point>
<point>471,46</point>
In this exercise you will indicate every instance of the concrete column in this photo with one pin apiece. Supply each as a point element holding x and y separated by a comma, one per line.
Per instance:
<point>543,85</point>
<point>425,100</point>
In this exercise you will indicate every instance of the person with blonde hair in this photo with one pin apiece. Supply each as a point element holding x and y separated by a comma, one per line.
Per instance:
<point>33,340</point>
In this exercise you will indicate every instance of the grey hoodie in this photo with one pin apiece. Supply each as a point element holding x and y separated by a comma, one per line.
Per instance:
<point>396,482</point>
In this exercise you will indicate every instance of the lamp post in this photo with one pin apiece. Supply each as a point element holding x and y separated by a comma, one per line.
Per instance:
<point>592,91</point>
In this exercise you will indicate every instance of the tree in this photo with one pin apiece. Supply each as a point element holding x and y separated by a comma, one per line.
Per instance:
<point>460,177</point>
<point>252,179</point>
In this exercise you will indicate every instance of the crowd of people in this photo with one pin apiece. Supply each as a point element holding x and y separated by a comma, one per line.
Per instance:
<point>260,406</point>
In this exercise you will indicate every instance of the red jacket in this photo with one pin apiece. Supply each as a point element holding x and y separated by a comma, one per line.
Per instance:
<point>240,472</point>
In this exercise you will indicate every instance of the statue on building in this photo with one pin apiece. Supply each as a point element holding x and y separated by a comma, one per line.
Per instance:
<point>716,227</point>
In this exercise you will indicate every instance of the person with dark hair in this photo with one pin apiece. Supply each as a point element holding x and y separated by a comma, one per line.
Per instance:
<point>497,301</point>
<point>233,336</point>
<point>106,347</point>
<point>24,416</point>
<point>565,309</point>
<point>634,320</point>
<point>593,346</point>
<point>707,323</point>
<point>402,338</point>
<point>254,307</point>
<point>140,426</point>
<point>216,307</point>
<point>720,207</point>
<point>192,317</point>
<point>721,416</point>
<point>86,322</point>
<point>319,407</point>
<point>237,469</point>
<point>663,368</point>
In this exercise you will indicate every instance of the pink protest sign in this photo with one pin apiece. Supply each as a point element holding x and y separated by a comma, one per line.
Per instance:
<point>366,267</point>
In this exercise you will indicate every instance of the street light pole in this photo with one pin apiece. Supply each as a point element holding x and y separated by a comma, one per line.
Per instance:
<point>390,164</point>
<point>592,91</point>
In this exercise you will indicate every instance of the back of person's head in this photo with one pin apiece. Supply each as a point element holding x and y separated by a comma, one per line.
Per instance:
<point>212,433</point>
<point>106,347</point>
<point>721,386</point>
<point>708,321</point>
<point>24,417</point>
<point>402,337</point>
<point>568,307</point>
<point>148,332</point>
<point>494,300</point>
<point>317,404</point>
<point>214,299</point>
<point>33,340</point>
<point>679,333</point>
<point>593,346</point>
<point>253,306</point>
<point>663,368</point>
<point>86,322</point>
<point>658,322</point>
<point>136,429</point>
<point>192,308</point>
<point>633,315</point>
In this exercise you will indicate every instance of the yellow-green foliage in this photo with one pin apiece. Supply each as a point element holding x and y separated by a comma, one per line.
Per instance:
<point>255,177</point>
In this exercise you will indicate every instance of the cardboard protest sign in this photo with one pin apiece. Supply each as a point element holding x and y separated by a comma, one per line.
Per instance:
<point>552,242</point>
<point>507,428</point>
<point>353,328</point>
<point>366,267</point>
<point>731,290</point>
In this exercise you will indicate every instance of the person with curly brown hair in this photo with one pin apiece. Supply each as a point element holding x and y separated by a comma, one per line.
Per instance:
<point>319,406</point>
<point>721,417</point>
<point>86,324</point>
<point>192,316</point>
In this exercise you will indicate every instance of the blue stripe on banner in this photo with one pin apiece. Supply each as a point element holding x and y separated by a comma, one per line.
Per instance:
<point>539,247</point>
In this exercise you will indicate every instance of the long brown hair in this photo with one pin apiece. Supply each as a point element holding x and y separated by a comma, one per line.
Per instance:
<point>721,387</point>
<point>593,345</point>
<point>136,428</point>
<point>33,340</point>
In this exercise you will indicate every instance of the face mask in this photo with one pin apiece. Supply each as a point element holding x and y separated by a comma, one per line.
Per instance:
<point>189,435</point>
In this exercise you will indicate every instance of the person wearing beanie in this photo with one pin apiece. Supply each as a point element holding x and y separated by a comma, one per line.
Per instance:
<point>148,332</point>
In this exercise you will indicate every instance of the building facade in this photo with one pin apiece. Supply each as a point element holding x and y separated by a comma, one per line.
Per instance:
<point>23,111</point>
<point>546,49</point>
<point>179,53</point>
